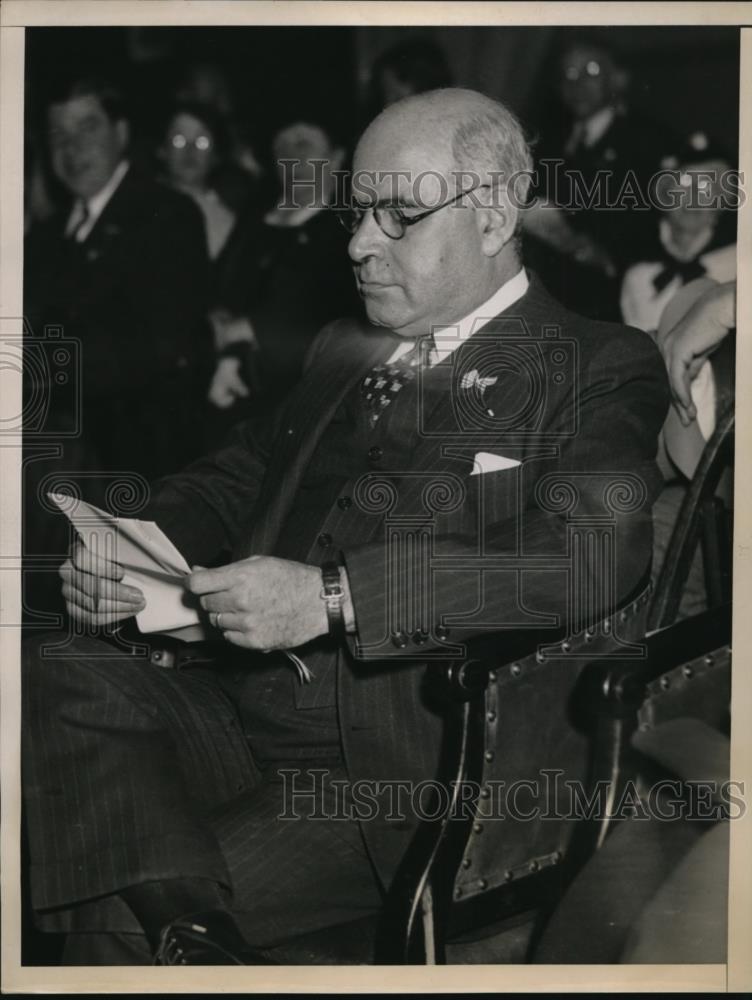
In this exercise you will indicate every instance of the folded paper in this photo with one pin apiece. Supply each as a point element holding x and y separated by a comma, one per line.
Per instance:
<point>150,560</point>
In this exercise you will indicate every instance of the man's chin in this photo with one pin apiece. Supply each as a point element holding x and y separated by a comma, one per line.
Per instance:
<point>85,184</point>
<point>381,318</point>
<point>379,314</point>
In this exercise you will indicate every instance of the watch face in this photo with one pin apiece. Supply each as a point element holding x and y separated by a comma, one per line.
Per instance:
<point>333,593</point>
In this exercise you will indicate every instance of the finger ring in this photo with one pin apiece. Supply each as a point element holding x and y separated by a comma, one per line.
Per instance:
<point>218,620</point>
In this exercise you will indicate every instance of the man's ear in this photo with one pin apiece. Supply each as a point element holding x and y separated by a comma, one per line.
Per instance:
<point>497,224</point>
<point>337,158</point>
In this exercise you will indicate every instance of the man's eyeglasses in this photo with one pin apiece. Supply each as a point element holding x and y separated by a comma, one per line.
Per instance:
<point>391,220</point>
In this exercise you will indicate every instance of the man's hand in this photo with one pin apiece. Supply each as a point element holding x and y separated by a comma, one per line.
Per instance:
<point>263,602</point>
<point>92,591</point>
<point>687,344</point>
<point>227,386</point>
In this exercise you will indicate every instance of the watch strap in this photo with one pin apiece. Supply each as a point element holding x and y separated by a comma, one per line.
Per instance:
<point>333,596</point>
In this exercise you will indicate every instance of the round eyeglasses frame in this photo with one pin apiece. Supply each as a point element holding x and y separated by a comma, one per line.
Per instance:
<point>201,142</point>
<point>351,218</point>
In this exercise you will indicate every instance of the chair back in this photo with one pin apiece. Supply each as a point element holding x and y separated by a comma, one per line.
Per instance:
<point>537,779</point>
<point>702,518</point>
<point>519,793</point>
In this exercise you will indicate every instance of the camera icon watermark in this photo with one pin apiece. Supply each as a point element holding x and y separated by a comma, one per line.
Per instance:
<point>48,368</point>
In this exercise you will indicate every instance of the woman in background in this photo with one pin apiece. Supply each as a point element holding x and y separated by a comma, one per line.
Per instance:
<point>299,276</point>
<point>695,235</point>
<point>193,151</point>
<point>193,147</point>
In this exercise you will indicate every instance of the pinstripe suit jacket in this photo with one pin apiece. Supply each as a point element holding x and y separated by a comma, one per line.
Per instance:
<point>447,555</point>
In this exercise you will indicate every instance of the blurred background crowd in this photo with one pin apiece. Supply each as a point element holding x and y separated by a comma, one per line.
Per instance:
<point>153,186</point>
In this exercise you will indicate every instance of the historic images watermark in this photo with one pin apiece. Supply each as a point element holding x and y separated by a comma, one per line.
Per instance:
<point>712,186</point>
<point>315,794</point>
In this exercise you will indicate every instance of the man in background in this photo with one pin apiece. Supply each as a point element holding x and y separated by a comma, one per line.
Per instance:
<point>595,163</point>
<point>123,270</point>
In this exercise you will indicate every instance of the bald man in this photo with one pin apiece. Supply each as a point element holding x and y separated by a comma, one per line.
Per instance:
<point>253,794</point>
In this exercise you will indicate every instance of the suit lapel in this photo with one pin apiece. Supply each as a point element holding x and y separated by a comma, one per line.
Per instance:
<point>122,204</point>
<point>332,375</point>
<point>442,386</point>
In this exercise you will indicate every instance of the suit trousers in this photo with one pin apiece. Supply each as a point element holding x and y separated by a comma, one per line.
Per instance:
<point>133,773</point>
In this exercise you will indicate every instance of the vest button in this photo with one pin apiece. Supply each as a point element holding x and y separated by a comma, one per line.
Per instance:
<point>375,454</point>
<point>344,503</point>
<point>441,632</point>
<point>420,637</point>
<point>399,639</point>
<point>325,539</point>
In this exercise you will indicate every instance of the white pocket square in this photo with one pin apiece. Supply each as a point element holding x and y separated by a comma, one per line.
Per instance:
<point>484,462</point>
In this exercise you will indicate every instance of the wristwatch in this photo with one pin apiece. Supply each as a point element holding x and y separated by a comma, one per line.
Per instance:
<point>333,595</point>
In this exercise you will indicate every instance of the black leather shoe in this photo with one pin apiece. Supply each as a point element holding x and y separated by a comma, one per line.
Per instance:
<point>210,938</point>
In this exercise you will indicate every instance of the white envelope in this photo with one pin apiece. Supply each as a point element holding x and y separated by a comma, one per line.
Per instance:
<point>485,461</point>
<point>150,560</point>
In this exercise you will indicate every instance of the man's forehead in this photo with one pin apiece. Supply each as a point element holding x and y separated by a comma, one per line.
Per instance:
<point>76,108</point>
<point>393,164</point>
<point>301,134</point>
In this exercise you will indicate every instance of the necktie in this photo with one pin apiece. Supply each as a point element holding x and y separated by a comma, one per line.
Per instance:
<point>576,139</point>
<point>384,381</point>
<point>76,234</point>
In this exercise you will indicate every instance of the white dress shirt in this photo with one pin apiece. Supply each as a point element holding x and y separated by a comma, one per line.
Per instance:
<point>642,306</point>
<point>91,209</point>
<point>448,338</point>
<point>219,220</point>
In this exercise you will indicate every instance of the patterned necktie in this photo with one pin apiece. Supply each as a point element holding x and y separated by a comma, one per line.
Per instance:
<point>383,382</point>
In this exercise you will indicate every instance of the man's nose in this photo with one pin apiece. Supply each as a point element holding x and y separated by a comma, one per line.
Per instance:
<point>71,144</point>
<point>367,240</point>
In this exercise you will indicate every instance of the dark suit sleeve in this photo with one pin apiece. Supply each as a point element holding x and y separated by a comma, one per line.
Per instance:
<point>606,469</point>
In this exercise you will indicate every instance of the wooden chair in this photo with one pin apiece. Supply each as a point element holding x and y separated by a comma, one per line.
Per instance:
<point>516,840</point>
<point>703,519</point>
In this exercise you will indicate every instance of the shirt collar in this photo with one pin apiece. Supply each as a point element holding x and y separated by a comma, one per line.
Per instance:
<point>448,339</point>
<point>95,205</point>
<point>597,125</point>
